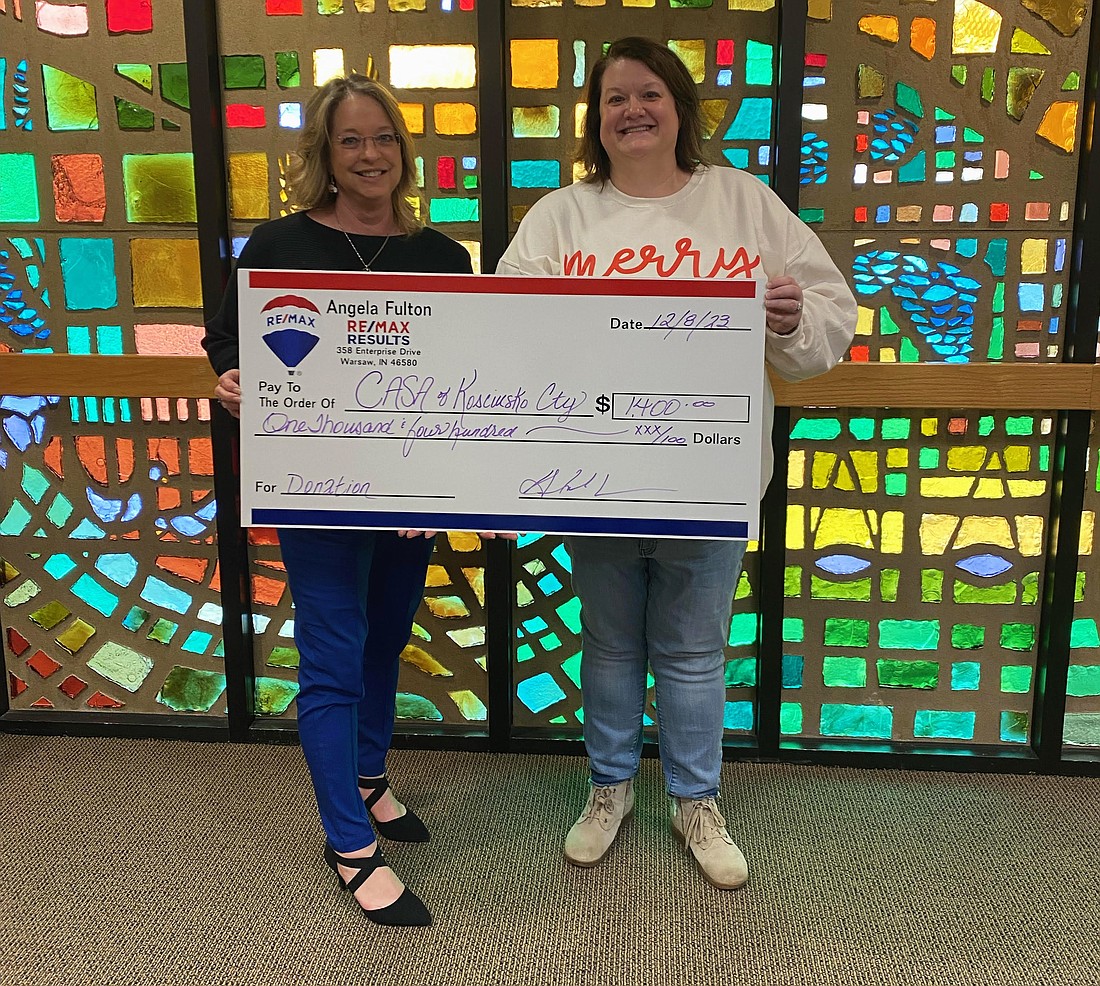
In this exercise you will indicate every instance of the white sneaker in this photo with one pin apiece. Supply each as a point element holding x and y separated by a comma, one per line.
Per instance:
<point>590,838</point>
<point>699,825</point>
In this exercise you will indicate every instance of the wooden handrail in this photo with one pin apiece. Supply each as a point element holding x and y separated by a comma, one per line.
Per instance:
<point>981,386</point>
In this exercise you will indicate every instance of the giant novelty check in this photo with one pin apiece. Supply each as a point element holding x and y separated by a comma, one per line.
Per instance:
<point>457,402</point>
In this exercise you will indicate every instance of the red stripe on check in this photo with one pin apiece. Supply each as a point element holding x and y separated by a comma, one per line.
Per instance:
<point>608,287</point>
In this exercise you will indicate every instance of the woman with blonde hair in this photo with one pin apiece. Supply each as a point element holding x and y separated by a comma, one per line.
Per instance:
<point>355,592</point>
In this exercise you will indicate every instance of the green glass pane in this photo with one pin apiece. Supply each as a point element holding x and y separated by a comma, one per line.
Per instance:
<point>173,84</point>
<point>1016,678</point>
<point>287,73</point>
<point>908,674</point>
<point>967,636</point>
<point>244,71</point>
<point>841,632</point>
<point>844,672</point>
<point>70,101</point>
<point>133,117</point>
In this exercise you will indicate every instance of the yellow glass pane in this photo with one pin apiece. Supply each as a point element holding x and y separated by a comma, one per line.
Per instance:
<point>248,198</point>
<point>714,112</point>
<point>536,3</point>
<point>1065,16</point>
<point>796,469</point>
<point>589,3</point>
<point>880,26</point>
<point>947,486</point>
<point>824,464</point>
<point>414,116</point>
<point>796,527</point>
<point>166,273</point>
<point>1059,125</point>
<point>866,466</point>
<point>639,3</point>
<point>328,63</point>
<point>579,173</point>
<point>936,531</point>
<point>1027,44</point>
<point>976,29</point>
<point>922,37</point>
<point>820,10</point>
<point>984,530</point>
<point>966,457</point>
<point>1026,487</point>
<point>473,248</point>
<point>842,525</point>
<point>693,54</point>
<point>534,63</point>
<point>1029,533</point>
<point>455,118</point>
<point>535,121</point>
<point>400,6</point>
<point>1088,532</point>
<point>893,532</point>
<point>579,113</point>
<point>364,6</point>
<point>1017,458</point>
<point>1033,257</point>
<point>752,4</point>
<point>897,458</point>
<point>989,489</point>
<point>433,66</point>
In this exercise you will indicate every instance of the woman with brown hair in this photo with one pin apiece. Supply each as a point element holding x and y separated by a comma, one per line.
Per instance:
<point>651,207</point>
<point>355,592</point>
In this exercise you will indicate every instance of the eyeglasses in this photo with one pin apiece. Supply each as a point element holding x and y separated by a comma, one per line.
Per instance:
<point>352,142</point>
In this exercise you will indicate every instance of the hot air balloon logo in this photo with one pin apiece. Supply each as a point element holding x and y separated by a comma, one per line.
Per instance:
<point>291,344</point>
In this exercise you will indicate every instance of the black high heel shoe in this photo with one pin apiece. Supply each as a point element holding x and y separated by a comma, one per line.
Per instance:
<point>407,828</point>
<point>408,911</point>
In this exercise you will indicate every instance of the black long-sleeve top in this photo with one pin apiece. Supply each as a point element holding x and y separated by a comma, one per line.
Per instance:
<point>296,242</point>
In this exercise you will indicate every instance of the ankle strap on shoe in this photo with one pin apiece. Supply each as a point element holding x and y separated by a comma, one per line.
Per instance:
<point>365,865</point>
<point>377,786</point>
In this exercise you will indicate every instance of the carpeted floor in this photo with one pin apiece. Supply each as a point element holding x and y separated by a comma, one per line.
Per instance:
<point>128,862</point>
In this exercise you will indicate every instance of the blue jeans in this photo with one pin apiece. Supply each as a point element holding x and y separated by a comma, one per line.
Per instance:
<point>663,603</point>
<point>355,596</point>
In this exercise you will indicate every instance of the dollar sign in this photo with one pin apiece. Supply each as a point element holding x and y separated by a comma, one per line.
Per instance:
<point>603,404</point>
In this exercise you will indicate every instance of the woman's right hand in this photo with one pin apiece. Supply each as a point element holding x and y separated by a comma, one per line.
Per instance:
<point>228,392</point>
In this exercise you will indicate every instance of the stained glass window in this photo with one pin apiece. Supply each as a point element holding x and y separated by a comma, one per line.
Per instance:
<point>1082,726</point>
<point>107,550</point>
<point>915,551</point>
<point>938,165</point>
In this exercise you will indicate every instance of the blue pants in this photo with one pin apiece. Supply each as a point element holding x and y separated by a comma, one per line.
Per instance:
<point>665,604</point>
<point>355,596</point>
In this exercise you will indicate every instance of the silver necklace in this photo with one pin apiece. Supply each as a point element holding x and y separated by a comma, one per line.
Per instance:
<point>351,243</point>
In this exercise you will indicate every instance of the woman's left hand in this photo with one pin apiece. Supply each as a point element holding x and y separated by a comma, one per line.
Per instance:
<point>783,304</point>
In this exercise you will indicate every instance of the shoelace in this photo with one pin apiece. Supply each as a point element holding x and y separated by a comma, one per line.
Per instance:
<point>705,822</point>
<point>601,803</point>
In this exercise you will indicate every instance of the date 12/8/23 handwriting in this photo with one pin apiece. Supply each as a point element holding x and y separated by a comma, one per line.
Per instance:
<point>559,483</point>
<point>686,321</point>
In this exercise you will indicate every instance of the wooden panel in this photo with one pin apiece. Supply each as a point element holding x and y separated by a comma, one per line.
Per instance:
<point>106,376</point>
<point>986,386</point>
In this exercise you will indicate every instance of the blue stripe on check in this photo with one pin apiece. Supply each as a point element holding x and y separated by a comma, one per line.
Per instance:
<point>738,530</point>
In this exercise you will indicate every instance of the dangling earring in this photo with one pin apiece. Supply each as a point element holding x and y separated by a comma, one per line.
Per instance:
<point>332,185</point>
